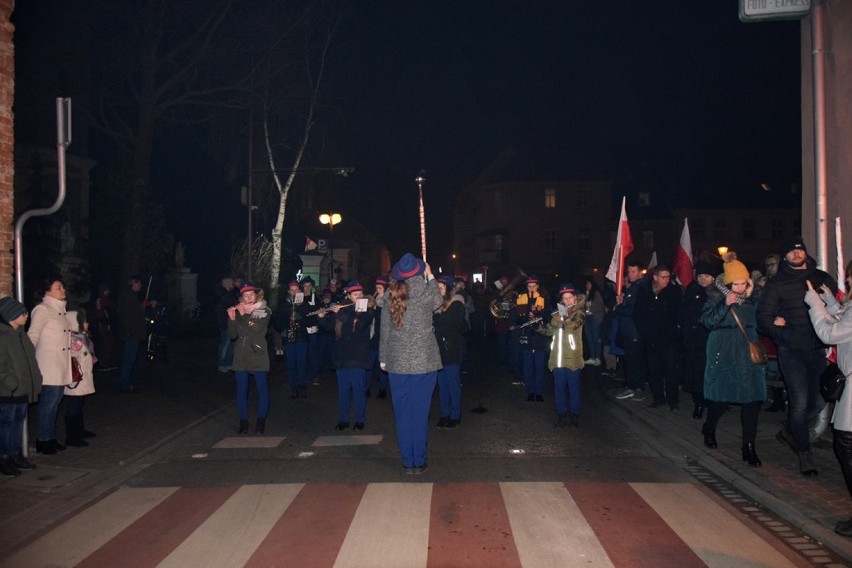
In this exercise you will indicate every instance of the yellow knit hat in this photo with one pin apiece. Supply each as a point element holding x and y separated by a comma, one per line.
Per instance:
<point>734,269</point>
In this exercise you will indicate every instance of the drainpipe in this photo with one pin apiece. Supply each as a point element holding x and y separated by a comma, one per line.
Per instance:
<point>820,182</point>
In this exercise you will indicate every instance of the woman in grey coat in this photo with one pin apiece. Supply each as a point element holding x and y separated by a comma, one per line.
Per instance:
<point>408,351</point>
<point>832,322</point>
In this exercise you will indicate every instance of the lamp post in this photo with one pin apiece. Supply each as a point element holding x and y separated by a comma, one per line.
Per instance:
<point>330,219</point>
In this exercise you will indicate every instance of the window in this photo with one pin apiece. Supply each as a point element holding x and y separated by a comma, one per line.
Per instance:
<point>777,226</point>
<point>583,198</point>
<point>550,198</point>
<point>749,231</point>
<point>550,241</point>
<point>644,199</point>
<point>720,228</point>
<point>696,229</point>
<point>584,240</point>
<point>648,240</point>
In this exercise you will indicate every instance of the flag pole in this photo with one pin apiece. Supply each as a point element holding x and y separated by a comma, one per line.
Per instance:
<point>420,179</point>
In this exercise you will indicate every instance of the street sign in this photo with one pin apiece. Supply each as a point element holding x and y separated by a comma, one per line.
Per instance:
<point>765,10</point>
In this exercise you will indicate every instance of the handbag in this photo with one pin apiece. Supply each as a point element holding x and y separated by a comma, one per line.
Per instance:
<point>831,383</point>
<point>755,349</point>
<point>76,373</point>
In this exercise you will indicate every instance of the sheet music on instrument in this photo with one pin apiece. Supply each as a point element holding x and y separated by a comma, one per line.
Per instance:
<point>563,309</point>
<point>361,304</point>
<point>299,298</point>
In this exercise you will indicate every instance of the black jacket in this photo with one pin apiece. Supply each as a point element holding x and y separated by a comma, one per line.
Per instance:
<point>784,295</point>
<point>449,326</point>
<point>20,378</point>
<point>656,315</point>
<point>693,334</point>
<point>283,315</point>
<point>352,337</point>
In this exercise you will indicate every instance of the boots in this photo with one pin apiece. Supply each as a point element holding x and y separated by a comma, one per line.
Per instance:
<point>243,429</point>
<point>74,431</point>
<point>260,427</point>
<point>709,437</point>
<point>806,464</point>
<point>750,456</point>
<point>560,420</point>
<point>86,433</point>
<point>777,400</point>
<point>698,411</point>
<point>575,420</point>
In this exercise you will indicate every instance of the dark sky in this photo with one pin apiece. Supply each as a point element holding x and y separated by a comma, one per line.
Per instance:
<point>680,93</point>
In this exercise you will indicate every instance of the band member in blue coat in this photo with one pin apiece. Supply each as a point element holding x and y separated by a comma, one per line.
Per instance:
<point>351,354</point>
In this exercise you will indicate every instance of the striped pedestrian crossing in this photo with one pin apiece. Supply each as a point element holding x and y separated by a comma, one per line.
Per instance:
<point>401,525</point>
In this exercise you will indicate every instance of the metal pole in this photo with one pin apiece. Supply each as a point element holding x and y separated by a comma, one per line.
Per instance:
<point>250,236</point>
<point>420,179</point>
<point>820,181</point>
<point>63,139</point>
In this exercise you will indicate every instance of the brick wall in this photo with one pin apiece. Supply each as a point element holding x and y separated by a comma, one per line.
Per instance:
<point>7,170</point>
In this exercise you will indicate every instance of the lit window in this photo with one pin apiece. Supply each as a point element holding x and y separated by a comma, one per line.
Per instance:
<point>550,241</point>
<point>550,198</point>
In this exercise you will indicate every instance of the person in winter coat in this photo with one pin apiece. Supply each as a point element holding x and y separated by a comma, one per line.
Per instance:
<point>20,385</point>
<point>832,323</point>
<point>351,354</point>
<point>131,320</point>
<point>289,323</point>
<point>592,327</point>
<point>408,351</point>
<point>730,375</point>
<point>82,351</point>
<point>694,335</point>
<point>783,315</point>
<point>50,332</point>
<point>224,300</point>
<point>566,352</point>
<point>449,323</point>
<point>247,325</point>
<point>373,370</point>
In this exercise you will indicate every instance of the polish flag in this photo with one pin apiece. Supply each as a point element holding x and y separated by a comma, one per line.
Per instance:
<point>309,244</point>
<point>682,266</point>
<point>653,262</point>
<point>623,247</point>
<point>841,264</point>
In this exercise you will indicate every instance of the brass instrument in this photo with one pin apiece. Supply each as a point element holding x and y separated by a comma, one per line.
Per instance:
<point>293,330</point>
<point>507,296</point>
<point>328,309</point>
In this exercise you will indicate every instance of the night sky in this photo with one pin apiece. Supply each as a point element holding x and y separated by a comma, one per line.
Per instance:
<point>680,95</point>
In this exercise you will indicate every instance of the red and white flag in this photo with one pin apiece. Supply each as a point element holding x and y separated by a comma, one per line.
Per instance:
<point>841,264</point>
<point>653,262</point>
<point>309,244</point>
<point>682,266</point>
<point>623,247</point>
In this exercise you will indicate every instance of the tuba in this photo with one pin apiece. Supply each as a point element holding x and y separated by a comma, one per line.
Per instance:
<point>501,306</point>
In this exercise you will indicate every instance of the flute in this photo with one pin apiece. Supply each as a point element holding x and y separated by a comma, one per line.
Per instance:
<point>328,309</point>
<point>532,321</point>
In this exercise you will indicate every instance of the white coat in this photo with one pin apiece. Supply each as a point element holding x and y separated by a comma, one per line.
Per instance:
<point>50,332</point>
<point>832,322</point>
<point>87,362</point>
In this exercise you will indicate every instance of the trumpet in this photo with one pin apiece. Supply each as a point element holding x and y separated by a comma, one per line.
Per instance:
<point>328,309</point>
<point>533,321</point>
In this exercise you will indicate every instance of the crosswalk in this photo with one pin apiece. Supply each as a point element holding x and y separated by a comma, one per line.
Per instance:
<point>401,525</point>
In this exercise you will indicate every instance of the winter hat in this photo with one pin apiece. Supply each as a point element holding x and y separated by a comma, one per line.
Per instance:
<point>796,243</point>
<point>703,267</point>
<point>248,287</point>
<point>567,288</point>
<point>11,309</point>
<point>407,266</point>
<point>326,293</point>
<point>446,280</point>
<point>532,279</point>
<point>504,280</point>
<point>382,280</point>
<point>354,286</point>
<point>734,269</point>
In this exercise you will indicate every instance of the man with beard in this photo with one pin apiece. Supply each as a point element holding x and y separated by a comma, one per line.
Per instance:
<point>783,315</point>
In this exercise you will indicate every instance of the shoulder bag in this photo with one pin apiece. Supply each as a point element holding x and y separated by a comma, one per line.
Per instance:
<point>831,383</point>
<point>755,349</point>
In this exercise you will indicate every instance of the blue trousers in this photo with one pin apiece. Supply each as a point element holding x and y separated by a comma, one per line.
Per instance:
<point>128,361</point>
<point>13,415</point>
<point>801,370</point>
<point>325,343</point>
<point>351,381</point>
<point>412,397</point>
<point>262,384</point>
<point>226,349</point>
<point>503,347</point>
<point>534,362</point>
<point>515,364</point>
<point>48,405</point>
<point>449,391</point>
<point>297,372</point>
<point>313,362</point>
<point>566,379</point>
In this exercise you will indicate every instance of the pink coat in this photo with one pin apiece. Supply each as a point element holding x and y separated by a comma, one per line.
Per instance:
<point>50,332</point>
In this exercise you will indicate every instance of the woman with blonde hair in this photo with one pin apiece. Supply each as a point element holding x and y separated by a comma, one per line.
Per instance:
<point>408,351</point>
<point>730,375</point>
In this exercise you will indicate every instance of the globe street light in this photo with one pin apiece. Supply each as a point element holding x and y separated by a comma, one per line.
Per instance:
<point>330,219</point>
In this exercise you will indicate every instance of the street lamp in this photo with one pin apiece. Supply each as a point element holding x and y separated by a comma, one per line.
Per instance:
<point>722,251</point>
<point>330,219</point>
